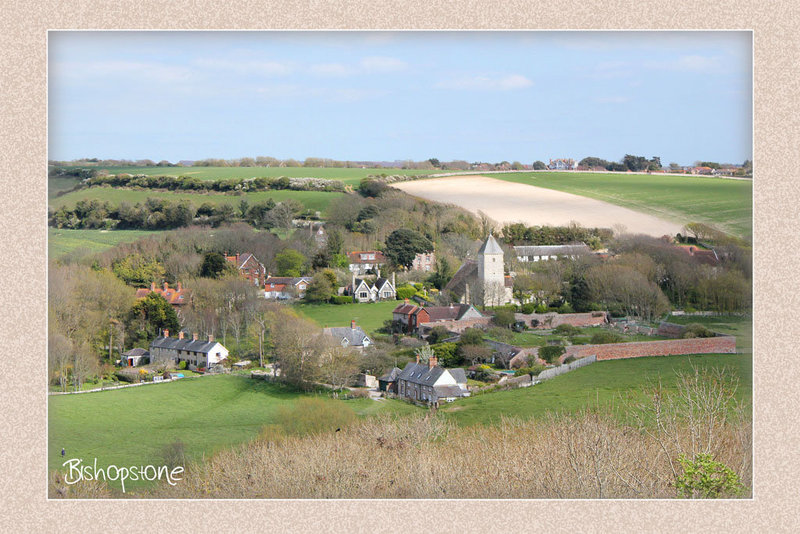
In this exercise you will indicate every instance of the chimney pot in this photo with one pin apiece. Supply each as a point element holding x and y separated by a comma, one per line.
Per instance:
<point>432,362</point>
<point>353,324</point>
<point>166,286</point>
<point>210,338</point>
<point>406,300</point>
<point>180,334</point>
<point>179,286</point>
<point>166,333</point>
<point>194,336</point>
<point>152,286</point>
<point>417,358</point>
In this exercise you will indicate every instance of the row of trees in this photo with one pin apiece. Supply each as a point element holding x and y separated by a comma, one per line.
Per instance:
<point>521,234</point>
<point>629,162</point>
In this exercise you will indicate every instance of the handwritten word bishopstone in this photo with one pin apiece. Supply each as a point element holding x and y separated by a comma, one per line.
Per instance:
<point>78,472</point>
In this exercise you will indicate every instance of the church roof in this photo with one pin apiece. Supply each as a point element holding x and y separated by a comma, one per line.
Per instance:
<point>490,246</point>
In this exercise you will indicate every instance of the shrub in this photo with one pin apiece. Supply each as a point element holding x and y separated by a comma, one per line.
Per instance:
<point>471,336</point>
<point>696,330</point>
<point>447,354</point>
<point>406,292</point>
<point>551,353</point>
<point>314,416</point>
<point>705,478</point>
<point>174,454</point>
<point>565,308</point>
<point>600,338</point>
<point>532,370</point>
<point>528,308</point>
<point>358,393</point>
<point>182,365</point>
<point>503,317</point>
<point>569,359</point>
<point>567,330</point>
<point>341,299</point>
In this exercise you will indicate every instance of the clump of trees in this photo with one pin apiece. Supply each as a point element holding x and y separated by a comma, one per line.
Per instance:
<point>521,234</point>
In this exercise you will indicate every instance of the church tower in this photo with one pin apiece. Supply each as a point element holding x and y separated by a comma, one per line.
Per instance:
<point>491,273</point>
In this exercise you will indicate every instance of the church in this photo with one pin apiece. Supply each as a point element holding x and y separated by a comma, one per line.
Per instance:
<point>483,281</point>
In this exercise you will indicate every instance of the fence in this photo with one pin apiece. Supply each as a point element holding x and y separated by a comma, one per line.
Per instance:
<point>547,374</point>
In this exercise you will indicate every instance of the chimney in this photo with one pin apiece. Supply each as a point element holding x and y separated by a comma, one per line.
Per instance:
<point>166,286</point>
<point>378,271</point>
<point>405,300</point>
<point>417,358</point>
<point>166,333</point>
<point>432,361</point>
<point>194,336</point>
<point>210,338</point>
<point>353,324</point>
<point>152,286</point>
<point>179,286</point>
<point>394,285</point>
<point>180,334</point>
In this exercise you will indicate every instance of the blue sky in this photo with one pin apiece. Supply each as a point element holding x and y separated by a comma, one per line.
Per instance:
<point>477,96</point>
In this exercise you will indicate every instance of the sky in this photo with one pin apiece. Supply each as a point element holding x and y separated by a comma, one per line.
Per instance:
<point>385,96</point>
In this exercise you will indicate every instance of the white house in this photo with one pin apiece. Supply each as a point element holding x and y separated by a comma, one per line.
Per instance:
<point>199,353</point>
<point>364,291</point>
<point>363,261</point>
<point>349,337</point>
<point>551,252</point>
<point>286,287</point>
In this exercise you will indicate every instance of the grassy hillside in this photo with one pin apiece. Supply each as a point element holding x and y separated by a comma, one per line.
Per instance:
<point>726,204</point>
<point>132,426</point>
<point>602,384</point>
<point>348,176</point>
<point>62,241</point>
<point>369,316</point>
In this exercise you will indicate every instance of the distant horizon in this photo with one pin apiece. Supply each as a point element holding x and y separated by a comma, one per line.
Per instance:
<point>462,95</point>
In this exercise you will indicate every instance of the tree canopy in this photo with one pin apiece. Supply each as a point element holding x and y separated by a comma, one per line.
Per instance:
<point>403,245</point>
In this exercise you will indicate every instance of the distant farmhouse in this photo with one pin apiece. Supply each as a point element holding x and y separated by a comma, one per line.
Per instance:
<point>430,383</point>
<point>483,281</point>
<point>177,297</point>
<point>363,290</point>
<point>349,337</point>
<point>409,318</point>
<point>562,164</point>
<point>249,267</point>
<point>194,352</point>
<point>551,252</point>
<point>363,261</point>
<point>286,287</point>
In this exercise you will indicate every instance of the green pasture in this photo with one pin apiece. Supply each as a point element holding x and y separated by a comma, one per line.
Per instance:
<point>369,316</point>
<point>735,325</point>
<point>348,176</point>
<point>724,203</point>
<point>62,241</point>
<point>132,426</point>
<point>313,200</point>
<point>604,385</point>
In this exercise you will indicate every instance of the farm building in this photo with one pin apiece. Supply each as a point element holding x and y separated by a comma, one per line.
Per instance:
<point>195,352</point>
<point>388,382</point>
<point>135,357</point>
<point>551,252</point>
<point>430,383</point>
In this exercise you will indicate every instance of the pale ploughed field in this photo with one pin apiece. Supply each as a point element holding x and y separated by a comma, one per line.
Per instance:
<point>508,202</point>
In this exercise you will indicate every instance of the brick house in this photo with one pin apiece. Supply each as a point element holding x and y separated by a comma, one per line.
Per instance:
<point>176,296</point>
<point>362,261</point>
<point>408,317</point>
<point>249,267</point>
<point>424,261</point>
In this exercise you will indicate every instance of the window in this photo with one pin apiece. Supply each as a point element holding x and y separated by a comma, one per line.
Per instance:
<point>363,294</point>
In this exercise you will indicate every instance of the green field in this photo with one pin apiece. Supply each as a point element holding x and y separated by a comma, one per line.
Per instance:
<point>348,176</point>
<point>741,327</point>
<point>369,316</point>
<point>313,200</point>
<point>62,241</point>
<point>602,384</point>
<point>726,204</point>
<point>132,426</point>
<point>539,338</point>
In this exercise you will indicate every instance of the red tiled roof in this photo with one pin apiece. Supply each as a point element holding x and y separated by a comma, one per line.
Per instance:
<point>405,309</point>
<point>355,256</point>
<point>176,297</point>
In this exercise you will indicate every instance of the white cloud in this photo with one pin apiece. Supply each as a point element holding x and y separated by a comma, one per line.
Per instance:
<point>487,83</point>
<point>692,63</point>
<point>330,69</point>
<point>383,64</point>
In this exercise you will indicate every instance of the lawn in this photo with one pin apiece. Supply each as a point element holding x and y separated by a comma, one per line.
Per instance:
<point>739,326</point>
<point>62,241</point>
<point>724,203</point>
<point>539,338</point>
<point>348,176</point>
<point>602,384</point>
<point>314,200</point>
<point>369,316</point>
<point>132,426</point>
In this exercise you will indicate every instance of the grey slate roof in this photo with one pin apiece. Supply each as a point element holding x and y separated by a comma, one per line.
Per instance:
<point>355,336</point>
<point>391,376</point>
<point>490,246</point>
<point>136,352</point>
<point>420,373</point>
<point>449,391</point>
<point>459,374</point>
<point>174,343</point>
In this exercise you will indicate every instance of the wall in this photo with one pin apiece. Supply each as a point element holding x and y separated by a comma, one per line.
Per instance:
<point>561,369</point>
<point>552,320</point>
<point>458,326</point>
<point>616,351</point>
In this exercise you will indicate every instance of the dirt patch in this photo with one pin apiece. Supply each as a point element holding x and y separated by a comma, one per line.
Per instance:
<point>508,202</point>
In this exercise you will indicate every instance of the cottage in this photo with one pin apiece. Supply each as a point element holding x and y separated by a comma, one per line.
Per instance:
<point>177,297</point>
<point>364,291</point>
<point>364,261</point>
<point>249,267</point>
<point>430,383</point>
<point>562,164</point>
<point>349,337</point>
<point>286,287</point>
<point>424,261</point>
<point>135,357</point>
<point>388,382</point>
<point>194,352</point>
